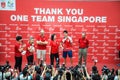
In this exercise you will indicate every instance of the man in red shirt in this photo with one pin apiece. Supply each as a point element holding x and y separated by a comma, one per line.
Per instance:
<point>67,46</point>
<point>19,49</point>
<point>54,50</point>
<point>83,46</point>
<point>30,50</point>
<point>41,46</point>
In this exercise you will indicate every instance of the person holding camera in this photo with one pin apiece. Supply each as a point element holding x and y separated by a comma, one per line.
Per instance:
<point>83,46</point>
<point>67,75</point>
<point>117,76</point>
<point>95,75</point>
<point>20,48</point>
<point>30,50</point>
<point>15,74</point>
<point>25,75</point>
<point>54,50</point>
<point>6,71</point>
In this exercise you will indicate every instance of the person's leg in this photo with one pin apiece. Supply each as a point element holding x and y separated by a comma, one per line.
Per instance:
<point>16,64</point>
<point>65,56</point>
<point>20,63</point>
<point>44,56</point>
<point>65,61</point>
<point>57,59</point>
<point>85,55</point>
<point>28,59</point>
<point>52,59</point>
<point>80,57</point>
<point>70,56</point>
<point>31,59</point>
<point>38,56</point>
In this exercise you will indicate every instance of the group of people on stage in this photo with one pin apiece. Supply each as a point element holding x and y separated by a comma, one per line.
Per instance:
<point>41,42</point>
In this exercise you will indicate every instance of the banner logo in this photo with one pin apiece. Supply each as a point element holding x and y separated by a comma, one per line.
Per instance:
<point>8,5</point>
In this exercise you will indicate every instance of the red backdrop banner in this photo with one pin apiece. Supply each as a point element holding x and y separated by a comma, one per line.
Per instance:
<point>100,20</point>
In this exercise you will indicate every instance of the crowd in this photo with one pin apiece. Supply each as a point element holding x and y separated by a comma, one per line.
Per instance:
<point>49,72</point>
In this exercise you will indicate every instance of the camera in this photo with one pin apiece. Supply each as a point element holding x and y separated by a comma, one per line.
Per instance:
<point>63,67</point>
<point>49,67</point>
<point>48,72</point>
<point>105,70</point>
<point>4,67</point>
<point>94,69</point>
<point>76,73</point>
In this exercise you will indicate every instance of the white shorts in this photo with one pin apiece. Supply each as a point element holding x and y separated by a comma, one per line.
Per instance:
<point>41,54</point>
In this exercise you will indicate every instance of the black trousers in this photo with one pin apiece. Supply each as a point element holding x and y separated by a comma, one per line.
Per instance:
<point>30,59</point>
<point>54,56</point>
<point>18,63</point>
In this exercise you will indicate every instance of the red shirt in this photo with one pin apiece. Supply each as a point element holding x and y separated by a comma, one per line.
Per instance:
<point>28,53</point>
<point>54,46</point>
<point>67,43</point>
<point>41,38</point>
<point>17,52</point>
<point>83,43</point>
